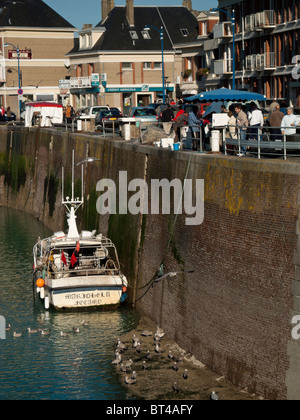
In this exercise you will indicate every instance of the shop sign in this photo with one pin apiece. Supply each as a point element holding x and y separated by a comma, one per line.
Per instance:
<point>24,54</point>
<point>95,79</point>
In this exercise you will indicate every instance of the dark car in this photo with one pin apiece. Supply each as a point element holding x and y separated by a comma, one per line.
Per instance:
<point>108,118</point>
<point>13,117</point>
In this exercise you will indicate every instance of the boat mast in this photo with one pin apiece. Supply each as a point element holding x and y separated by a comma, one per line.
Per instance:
<point>72,205</point>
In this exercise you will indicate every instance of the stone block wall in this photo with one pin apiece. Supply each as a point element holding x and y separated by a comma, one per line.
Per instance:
<point>234,311</point>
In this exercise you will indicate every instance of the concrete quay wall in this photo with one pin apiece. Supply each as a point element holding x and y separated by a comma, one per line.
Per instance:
<point>234,311</point>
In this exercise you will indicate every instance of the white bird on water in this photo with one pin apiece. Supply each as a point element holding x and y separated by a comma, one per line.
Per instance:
<point>17,335</point>
<point>30,331</point>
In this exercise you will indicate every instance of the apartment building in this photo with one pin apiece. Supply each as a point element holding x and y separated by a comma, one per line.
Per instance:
<point>42,38</point>
<point>267,40</point>
<point>119,61</point>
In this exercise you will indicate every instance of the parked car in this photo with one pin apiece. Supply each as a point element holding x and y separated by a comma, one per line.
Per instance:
<point>5,118</point>
<point>110,118</point>
<point>199,108</point>
<point>90,112</point>
<point>144,114</point>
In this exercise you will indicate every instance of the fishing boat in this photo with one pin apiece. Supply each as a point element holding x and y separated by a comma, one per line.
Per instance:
<point>77,270</point>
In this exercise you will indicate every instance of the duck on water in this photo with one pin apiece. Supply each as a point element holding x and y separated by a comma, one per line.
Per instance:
<point>77,270</point>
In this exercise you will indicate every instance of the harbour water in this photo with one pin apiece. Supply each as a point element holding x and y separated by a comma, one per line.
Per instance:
<point>36,366</point>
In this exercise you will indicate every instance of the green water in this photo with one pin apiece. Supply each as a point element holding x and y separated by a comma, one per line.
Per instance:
<point>50,367</point>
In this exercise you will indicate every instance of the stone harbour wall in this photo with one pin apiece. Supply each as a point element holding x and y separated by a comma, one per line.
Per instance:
<point>234,311</point>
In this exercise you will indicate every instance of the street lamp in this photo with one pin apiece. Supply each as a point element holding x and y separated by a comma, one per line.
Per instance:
<point>19,73</point>
<point>232,17</point>
<point>161,32</point>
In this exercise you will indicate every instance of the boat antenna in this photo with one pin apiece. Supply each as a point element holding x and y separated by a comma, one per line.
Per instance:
<point>72,205</point>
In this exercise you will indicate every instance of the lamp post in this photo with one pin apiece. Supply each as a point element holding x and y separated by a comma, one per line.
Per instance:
<point>19,73</point>
<point>232,17</point>
<point>161,32</point>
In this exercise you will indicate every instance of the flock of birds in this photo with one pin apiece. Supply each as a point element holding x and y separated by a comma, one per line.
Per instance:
<point>43,332</point>
<point>127,367</point>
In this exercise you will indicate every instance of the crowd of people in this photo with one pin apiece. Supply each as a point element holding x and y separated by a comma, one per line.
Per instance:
<point>242,124</point>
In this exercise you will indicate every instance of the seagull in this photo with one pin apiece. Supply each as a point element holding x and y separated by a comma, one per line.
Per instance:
<point>85,324</point>
<point>185,374</point>
<point>159,332</point>
<point>45,332</point>
<point>8,328</point>
<point>175,367</point>
<point>147,333</point>
<point>158,350</point>
<point>76,330</point>
<point>170,355</point>
<point>148,355</point>
<point>117,360</point>
<point>63,334</point>
<point>133,375</point>
<point>136,344</point>
<point>129,381</point>
<point>124,368</point>
<point>175,387</point>
<point>17,335</point>
<point>214,396</point>
<point>128,364</point>
<point>30,331</point>
<point>144,365</point>
<point>121,346</point>
<point>138,348</point>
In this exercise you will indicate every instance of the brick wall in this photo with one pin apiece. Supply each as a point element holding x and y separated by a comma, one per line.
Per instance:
<point>234,312</point>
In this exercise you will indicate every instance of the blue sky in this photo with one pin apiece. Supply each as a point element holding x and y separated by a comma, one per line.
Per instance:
<point>78,12</point>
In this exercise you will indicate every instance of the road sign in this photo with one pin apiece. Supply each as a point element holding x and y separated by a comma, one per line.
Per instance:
<point>20,92</point>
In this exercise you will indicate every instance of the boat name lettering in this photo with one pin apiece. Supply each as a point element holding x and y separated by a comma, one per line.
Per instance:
<point>97,295</point>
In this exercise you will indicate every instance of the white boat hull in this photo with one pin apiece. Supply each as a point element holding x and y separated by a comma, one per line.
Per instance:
<point>83,292</point>
<point>85,298</point>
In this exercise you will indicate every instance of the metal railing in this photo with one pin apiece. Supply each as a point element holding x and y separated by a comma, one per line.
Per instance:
<point>268,141</point>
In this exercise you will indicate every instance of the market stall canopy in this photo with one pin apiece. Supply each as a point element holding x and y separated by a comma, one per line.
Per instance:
<point>227,95</point>
<point>49,112</point>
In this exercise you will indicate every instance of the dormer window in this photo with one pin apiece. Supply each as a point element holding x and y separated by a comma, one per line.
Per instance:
<point>146,35</point>
<point>85,41</point>
<point>184,32</point>
<point>134,34</point>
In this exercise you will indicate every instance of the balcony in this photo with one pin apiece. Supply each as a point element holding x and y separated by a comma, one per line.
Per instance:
<point>222,67</point>
<point>223,30</point>
<point>261,20</point>
<point>261,62</point>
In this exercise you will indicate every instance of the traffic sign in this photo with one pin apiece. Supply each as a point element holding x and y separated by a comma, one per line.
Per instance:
<point>20,92</point>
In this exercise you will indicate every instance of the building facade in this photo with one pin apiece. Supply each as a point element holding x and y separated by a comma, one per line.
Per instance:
<point>267,44</point>
<point>125,51</point>
<point>42,38</point>
<point>196,60</point>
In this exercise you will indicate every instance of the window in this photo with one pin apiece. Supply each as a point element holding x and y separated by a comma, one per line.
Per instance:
<point>184,32</point>
<point>126,66</point>
<point>158,65</point>
<point>146,35</point>
<point>133,34</point>
<point>147,65</point>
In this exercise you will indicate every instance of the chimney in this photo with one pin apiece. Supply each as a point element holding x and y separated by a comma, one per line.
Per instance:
<point>187,4</point>
<point>130,12</point>
<point>107,6</point>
